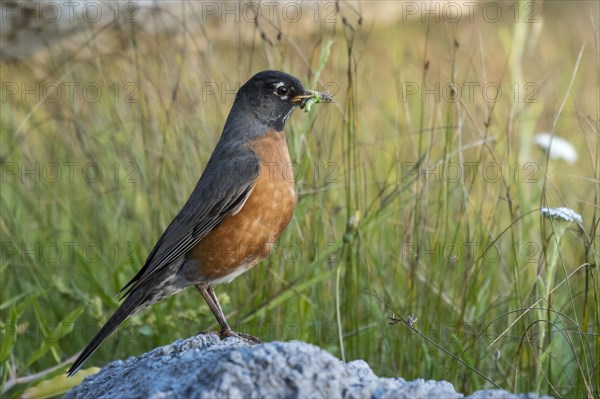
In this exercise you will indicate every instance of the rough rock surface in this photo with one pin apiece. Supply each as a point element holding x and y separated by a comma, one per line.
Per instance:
<point>206,367</point>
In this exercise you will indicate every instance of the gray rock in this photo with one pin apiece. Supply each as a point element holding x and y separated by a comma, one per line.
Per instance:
<point>203,366</point>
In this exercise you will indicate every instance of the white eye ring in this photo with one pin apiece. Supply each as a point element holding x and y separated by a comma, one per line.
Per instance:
<point>281,90</point>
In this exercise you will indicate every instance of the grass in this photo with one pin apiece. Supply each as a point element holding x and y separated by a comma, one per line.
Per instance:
<point>385,226</point>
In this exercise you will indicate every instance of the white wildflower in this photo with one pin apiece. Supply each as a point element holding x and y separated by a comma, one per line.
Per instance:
<point>564,214</point>
<point>411,320</point>
<point>353,221</point>
<point>557,147</point>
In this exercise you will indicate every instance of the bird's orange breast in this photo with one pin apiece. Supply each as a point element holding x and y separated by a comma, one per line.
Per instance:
<point>246,237</point>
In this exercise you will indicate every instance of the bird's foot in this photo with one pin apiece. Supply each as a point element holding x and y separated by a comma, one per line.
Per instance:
<point>244,337</point>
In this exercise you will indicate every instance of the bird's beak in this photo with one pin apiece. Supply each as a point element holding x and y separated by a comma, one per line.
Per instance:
<point>314,97</point>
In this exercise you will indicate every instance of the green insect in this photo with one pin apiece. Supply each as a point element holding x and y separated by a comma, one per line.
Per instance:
<point>313,100</point>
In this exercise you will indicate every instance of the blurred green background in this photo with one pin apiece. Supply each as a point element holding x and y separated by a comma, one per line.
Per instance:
<point>421,188</point>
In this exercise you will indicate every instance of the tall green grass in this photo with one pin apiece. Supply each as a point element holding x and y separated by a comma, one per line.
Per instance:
<point>384,229</point>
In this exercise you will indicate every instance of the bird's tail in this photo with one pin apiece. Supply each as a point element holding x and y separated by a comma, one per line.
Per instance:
<point>128,307</point>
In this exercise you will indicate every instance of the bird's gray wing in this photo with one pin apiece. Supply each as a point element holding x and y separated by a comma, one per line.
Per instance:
<point>223,188</point>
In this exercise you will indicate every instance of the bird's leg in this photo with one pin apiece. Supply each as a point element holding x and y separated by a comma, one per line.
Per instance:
<point>208,293</point>
<point>213,303</point>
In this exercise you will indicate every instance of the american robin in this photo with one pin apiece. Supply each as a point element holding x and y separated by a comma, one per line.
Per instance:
<point>239,207</point>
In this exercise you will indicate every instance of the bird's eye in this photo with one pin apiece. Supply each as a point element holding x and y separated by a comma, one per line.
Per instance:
<point>282,91</point>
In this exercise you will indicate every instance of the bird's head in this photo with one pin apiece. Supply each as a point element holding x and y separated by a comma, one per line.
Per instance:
<point>272,96</point>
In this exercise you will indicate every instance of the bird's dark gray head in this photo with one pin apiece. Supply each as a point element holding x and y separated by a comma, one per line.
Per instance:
<point>272,96</point>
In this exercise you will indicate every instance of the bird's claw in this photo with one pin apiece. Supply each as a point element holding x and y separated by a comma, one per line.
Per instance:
<point>252,340</point>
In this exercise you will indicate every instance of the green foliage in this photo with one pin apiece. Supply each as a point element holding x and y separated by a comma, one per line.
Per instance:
<point>423,208</point>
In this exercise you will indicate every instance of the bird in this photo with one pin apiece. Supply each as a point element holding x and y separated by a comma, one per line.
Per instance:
<point>238,209</point>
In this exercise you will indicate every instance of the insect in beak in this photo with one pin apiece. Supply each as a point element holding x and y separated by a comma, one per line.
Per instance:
<point>311,97</point>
